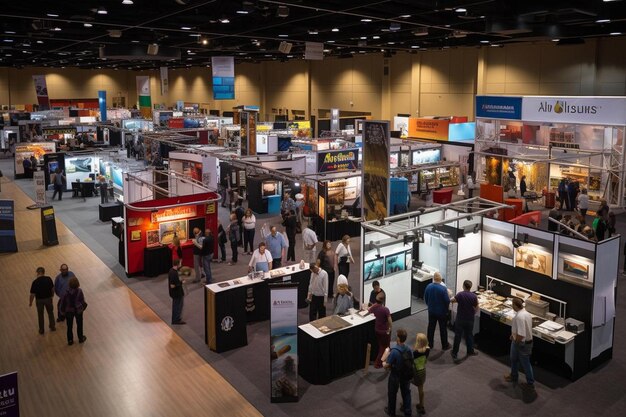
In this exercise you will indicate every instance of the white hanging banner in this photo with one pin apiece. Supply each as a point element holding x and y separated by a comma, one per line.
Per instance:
<point>165,82</point>
<point>40,188</point>
<point>314,51</point>
<point>589,110</point>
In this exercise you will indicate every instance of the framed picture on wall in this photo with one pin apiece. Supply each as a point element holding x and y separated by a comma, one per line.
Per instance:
<point>167,230</point>
<point>152,238</point>
<point>576,270</point>
<point>349,193</point>
<point>395,263</point>
<point>135,235</point>
<point>373,269</point>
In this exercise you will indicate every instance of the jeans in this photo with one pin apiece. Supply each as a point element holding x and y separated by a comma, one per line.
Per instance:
<point>70,326</point>
<point>177,309</point>
<point>520,355</point>
<point>291,250</point>
<point>248,239</point>
<point>461,327</point>
<point>223,251</point>
<point>233,248</point>
<point>206,266</point>
<point>383,339</point>
<point>46,303</point>
<point>197,264</point>
<point>393,384</point>
<point>433,320</point>
<point>58,189</point>
<point>317,309</point>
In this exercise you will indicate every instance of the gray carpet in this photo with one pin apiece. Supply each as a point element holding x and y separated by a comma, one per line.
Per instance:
<point>472,388</point>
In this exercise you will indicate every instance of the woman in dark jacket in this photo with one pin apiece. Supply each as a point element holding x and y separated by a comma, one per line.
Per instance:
<point>327,263</point>
<point>72,306</point>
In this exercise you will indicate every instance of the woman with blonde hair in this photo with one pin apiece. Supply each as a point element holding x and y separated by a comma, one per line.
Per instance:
<point>420,357</point>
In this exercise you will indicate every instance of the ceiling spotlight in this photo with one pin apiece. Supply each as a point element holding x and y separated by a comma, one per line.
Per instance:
<point>615,33</point>
<point>334,30</point>
<point>366,20</point>
<point>394,26</point>
<point>224,20</point>
<point>56,29</point>
<point>313,32</point>
<point>87,25</point>
<point>375,37</point>
<point>484,41</point>
<point>405,16</point>
<point>461,10</point>
<point>128,2</point>
<point>242,12</point>
<point>420,32</point>
<point>603,21</point>
<point>185,28</point>
<point>282,11</point>
<point>52,15</point>
<point>102,10</point>
<point>204,41</point>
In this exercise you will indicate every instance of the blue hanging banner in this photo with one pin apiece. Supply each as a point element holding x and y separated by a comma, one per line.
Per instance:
<point>223,77</point>
<point>102,103</point>
<point>9,401</point>
<point>7,226</point>
<point>499,107</point>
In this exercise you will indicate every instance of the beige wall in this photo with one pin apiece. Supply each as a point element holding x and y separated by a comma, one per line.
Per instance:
<point>424,83</point>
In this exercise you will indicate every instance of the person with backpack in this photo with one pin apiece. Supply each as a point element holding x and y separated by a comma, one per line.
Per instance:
<point>420,358</point>
<point>400,362</point>
<point>73,306</point>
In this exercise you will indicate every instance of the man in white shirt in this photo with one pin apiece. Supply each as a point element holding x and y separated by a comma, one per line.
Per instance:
<point>318,291</point>
<point>521,344</point>
<point>261,259</point>
<point>309,240</point>
<point>583,202</point>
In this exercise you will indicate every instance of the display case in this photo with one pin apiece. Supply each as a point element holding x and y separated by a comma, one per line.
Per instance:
<point>433,177</point>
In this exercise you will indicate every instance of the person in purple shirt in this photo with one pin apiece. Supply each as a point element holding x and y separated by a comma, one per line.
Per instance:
<point>382,327</point>
<point>464,323</point>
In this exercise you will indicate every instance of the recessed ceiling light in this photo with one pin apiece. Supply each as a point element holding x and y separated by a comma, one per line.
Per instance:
<point>102,10</point>
<point>185,28</point>
<point>313,32</point>
<point>363,37</point>
<point>461,10</point>
<point>87,25</point>
<point>334,30</point>
<point>615,33</point>
<point>330,41</point>
<point>224,20</point>
<point>375,37</point>
<point>405,16</point>
<point>447,26</point>
<point>283,36</point>
<point>242,12</point>
<point>603,20</point>
<point>326,50</point>
<point>56,29</point>
<point>134,41</point>
<point>128,2</point>
<point>555,40</point>
<point>414,46</point>
<point>9,32</point>
<point>366,20</point>
<point>361,52</point>
<point>52,15</point>
<point>267,55</point>
<point>39,41</point>
<point>484,41</point>
<point>195,35</point>
<point>391,43</point>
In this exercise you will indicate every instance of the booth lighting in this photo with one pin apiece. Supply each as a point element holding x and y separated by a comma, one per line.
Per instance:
<point>516,243</point>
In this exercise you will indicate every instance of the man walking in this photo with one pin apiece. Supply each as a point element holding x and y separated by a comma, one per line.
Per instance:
<point>521,345</point>
<point>396,362</point>
<point>309,240</point>
<point>438,301</point>
<point>318,291</point>
<point>207,254</point>
<point>464,323</point>
<point>176,293</point>
<point>59,180</point>
<point>382,327</point>
<point>277,246</point>
<point>42,290</point>
<point>61,283</point>
<point>197,254</point>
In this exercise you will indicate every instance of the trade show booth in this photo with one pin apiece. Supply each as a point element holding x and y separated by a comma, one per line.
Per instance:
<point>27,150</point>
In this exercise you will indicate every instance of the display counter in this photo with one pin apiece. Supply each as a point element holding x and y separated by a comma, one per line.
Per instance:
<point>325,357</point>
<point>336,229</point>
<point>156,261</point>
<point>231,305</point>
<point>108,211</point>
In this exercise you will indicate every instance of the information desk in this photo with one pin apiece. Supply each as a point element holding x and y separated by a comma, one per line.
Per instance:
<point>156,261</point>
<point>231,305</point>
<point>325,357</point>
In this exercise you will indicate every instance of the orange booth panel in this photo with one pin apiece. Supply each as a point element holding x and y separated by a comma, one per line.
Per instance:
<point>524,219</point>
<point>443,196</point>
<point>514,212</point>
<point>550,199</point>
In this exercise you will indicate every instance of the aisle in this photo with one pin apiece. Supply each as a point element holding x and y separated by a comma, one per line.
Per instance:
<point>133,364</point>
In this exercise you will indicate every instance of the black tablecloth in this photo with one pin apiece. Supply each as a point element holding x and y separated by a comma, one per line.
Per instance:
<point>109,210</point>
<point>156,261</point>
<point>322,360</point>
<point>337,229</point>
<point>86,189</point>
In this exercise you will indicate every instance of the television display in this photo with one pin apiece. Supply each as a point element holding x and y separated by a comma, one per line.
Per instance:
<point>373,269</point>
<point>395,263</point>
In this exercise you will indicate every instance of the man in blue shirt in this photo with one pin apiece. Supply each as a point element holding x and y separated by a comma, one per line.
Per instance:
<point>395,362</point>
<point>438,301</point>
<point>61,283</point>
<point>277,246</point>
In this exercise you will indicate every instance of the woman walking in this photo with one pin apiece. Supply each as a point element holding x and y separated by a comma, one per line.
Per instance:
<point>73,305</point>
<point>327,263</point>
<point>420,357</point>
<point>344,256</point>
<point>249,227</point>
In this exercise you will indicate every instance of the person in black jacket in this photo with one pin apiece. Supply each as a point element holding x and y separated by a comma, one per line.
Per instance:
<point>291,224</point>
<point>522,186</point>
<point>176,293</point>
<point>221,241</point>
<point>42,289</point>
<point>207,254</point>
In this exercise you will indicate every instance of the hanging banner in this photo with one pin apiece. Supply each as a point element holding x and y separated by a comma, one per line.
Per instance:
<point>334,161</point>
<point>165,82</point>
<point>223,77</point>
<point>499,107</point>
<point>102,104</point>
<point>314,51</point>
<point>375,184</point>
<point>436,129</point>
<point>7,233</point>
<point>590,110</point>
<point>41,89</point>
<point>39,178</point>
<point>143,96</point>
<point>284,343</point>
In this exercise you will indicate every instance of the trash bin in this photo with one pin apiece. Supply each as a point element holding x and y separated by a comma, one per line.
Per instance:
<point>550,199</point>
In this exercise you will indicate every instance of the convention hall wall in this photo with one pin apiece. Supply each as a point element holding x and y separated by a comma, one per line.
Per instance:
<point>441,82</point>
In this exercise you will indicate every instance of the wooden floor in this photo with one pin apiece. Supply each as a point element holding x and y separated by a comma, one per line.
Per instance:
<point>132,363</point>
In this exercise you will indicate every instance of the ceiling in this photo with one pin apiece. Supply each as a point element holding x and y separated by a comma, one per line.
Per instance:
<point>188,32</point>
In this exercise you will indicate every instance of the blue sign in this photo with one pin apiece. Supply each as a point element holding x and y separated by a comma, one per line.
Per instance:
<point>223,88</point>
<point>462,132</point>
<point>9,401</point>
<point>499,107</point>
<point>102,103</point>
<point>7,226</point>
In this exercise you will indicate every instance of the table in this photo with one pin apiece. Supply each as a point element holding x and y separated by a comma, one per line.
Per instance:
<point>231,305</point>
<point>109,210</point>
<point>325,357</point>
<point>156,261</point>
<point>86,189</point>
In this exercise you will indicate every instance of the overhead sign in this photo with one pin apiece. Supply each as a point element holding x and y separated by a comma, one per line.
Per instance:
<point>41,89</point>
<point>49,131</point>
<point>499,107</point>
<point>223,68</point>
<point>143,95</point>
<point>174,213</point>
<point>436,129</point>
<point>587,110</point>
<point>334,161</point>
<point>375,184</point>
<point>314,51</point>
<point>9,400</point>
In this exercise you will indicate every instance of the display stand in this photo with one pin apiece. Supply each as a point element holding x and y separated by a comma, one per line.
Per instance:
<point>48,226</point>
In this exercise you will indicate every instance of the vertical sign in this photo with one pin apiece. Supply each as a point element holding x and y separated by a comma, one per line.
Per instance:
<point>48,227</point>
<point>39,178</point>
<point>7,233</point>
<point>244,133</point>
<point>9,401</point>
<point>284,343</point>
<point>223,77</point>
<point>165,82</point>
<point>41,89</point>
<point>143,96</point>
<point>375,184</point>
<point>102,103</point>
<point>314,51</point>
<point>334,120</point>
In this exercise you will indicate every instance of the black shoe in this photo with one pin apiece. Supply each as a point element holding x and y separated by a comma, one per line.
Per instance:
<point>388,413</point>
<point>40,331</point>
<point>70,343</point>
<point>447,347</point>
<point>60,320</point>
<point>179,322</point>
<point>420,410</point>
<point>82,339</point>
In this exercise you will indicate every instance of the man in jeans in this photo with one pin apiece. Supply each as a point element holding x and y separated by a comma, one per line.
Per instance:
<point>42,289</point>
<point>197,254</point>
<point>438,301</point>
<point>395,362</point>
<point>464,323</point>
<point>521,344</point>
<point>207,254</point>
<point>176,293</point>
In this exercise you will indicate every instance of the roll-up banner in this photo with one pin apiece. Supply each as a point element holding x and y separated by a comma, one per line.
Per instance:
<point>143,96</point>
<point>165,82</point>
<point>41,89</point>
<point>39,178</point>
<point>223,77</point>
<point>375,184</point>
<point>8,242</point>
<point>284,342</point>
<point>9,400</point>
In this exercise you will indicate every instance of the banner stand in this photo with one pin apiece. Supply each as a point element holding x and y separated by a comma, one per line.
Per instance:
<point>284,342</point>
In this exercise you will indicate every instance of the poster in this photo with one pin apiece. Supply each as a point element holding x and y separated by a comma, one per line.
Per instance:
<point>9,401</point>
<point>167,230</point>
<point>41,89</point>
<point>375,184</point>
<point>165,83</point>
<point>39,178</point>
<point>334,161</point>
<point>143,96</point>
<point>23,151</point>
<point>284,343</point>
<point>8,242</point>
